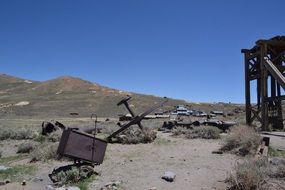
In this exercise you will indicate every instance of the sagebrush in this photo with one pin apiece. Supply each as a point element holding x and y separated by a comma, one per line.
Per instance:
<point>242,140</point>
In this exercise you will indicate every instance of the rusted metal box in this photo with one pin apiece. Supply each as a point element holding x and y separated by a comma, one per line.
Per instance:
<point>82,146</point>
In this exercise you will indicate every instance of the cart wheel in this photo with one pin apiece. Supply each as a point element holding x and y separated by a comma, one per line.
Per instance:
<point>86,170</point>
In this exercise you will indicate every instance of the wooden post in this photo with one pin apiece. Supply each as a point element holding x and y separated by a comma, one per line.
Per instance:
<point>247,89</point>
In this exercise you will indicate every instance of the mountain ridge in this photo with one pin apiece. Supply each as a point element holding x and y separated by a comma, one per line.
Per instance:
<point>66,94</point>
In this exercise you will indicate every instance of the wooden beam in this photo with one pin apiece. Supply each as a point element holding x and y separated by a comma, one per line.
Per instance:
<point>274,72</point>
<point>277,98</point>
<point>247,89</point>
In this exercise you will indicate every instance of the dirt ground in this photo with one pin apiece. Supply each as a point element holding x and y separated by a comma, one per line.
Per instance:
<point>141,166</point>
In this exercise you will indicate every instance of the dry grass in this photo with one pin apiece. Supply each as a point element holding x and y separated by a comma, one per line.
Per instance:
<point>255,174</point>
<point>241,140</point>
<point>204,132</point>
<point>17,173</point>
<point>135,136</point>
<point>17,134</point>
<point>26,148</point>
<point>55,136</point>
<point>249,175</point>
<point>44,152</point>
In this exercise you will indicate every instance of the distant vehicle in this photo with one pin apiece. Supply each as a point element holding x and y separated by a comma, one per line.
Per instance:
<point>217,112</point>
<point>181,110</point>
<point>200,114</point>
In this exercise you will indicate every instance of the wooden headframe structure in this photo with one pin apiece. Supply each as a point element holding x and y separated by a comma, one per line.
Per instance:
<point>265,65</point>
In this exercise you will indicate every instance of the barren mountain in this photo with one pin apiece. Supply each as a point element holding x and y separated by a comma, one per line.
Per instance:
<point>65,95</point>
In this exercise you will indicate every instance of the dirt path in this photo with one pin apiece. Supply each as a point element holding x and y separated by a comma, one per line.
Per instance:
<point>141,166</point>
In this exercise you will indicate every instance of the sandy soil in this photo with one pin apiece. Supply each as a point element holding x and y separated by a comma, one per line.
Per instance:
<point>141,166</point>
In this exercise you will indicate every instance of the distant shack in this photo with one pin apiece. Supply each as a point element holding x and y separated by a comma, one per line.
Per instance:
<point>217,112</point>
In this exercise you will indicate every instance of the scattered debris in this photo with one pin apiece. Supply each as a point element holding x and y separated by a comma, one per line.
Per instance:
<point>73,113</point>
<point>277,161</point>
<point>136,119</point>
<point>50,187</point>
<point>23,103</point>
<point>113,185</point>
<point>217,152</point>
<point>24,183</point>
<point>5,182</point>
<point>169,176</point>
<point>37,179</point>
<point>222,125</point>
<point>262,150</point>
<point>86,150</point>
<point>59,92</point>
<point>49,127</point>
<point>71,173</point>
<point>2,183</point>
<point>3,168</point>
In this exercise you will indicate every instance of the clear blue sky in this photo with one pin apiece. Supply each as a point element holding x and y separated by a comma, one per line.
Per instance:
<point>181,49</point>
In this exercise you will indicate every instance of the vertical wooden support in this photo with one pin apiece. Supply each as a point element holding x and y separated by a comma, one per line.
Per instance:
<point>247,89</point>
<point>264,89</point>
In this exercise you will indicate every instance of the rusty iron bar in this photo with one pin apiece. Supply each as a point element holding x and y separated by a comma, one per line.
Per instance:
<point>125,102</point>
<point>136,119</point>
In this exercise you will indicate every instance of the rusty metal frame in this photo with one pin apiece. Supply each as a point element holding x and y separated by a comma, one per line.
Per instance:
<point>136,120</point>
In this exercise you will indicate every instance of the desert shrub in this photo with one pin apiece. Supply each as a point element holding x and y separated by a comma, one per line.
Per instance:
<point>74,175</point>
<point>5,134</point>
<point>277,171</point>
<point>69,176</point>
<point>275,153</point>
<point>17,172</point>
<point>26,148</point>
<point>52,137</point>
<point>132,136</point>
<point>40,138</point>
<point>20,134</point>
<point>205,132</point>
<point>45,151</point>
<point>109,129</point>
<point>277,167</point>
<point>153,123</point>
<point>55,136</point>
<point>179,131</point>
<point>241,140</point>
<point>24,134</point>
<point>248,175</point>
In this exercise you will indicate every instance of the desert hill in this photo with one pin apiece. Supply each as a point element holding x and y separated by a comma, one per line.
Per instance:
<point>64,95</point>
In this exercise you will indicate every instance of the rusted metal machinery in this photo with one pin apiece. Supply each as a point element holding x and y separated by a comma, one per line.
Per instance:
<point>83,147</point>
<point>136,119</point>
<point>265,64</point>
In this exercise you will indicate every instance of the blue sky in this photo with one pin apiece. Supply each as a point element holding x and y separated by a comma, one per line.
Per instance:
<point>181,49</point>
